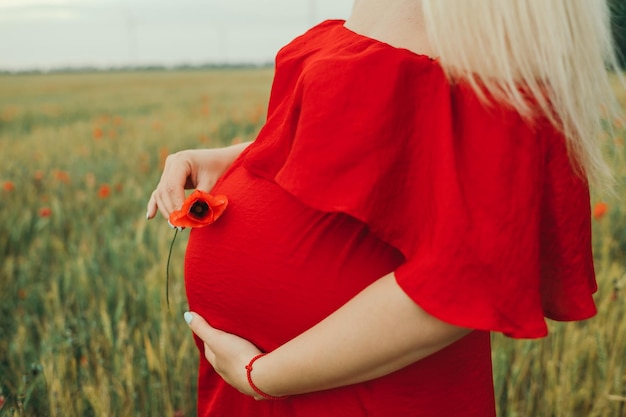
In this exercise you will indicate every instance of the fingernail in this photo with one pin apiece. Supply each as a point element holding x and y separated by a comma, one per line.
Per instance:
<point>188,317</point>
<point>179,228</point>
<point>147,215</point>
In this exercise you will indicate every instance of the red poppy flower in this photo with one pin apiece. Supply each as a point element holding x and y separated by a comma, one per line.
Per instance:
<point>62,176</point>
<point>8,186</point>
<point>97,133</point>
<point>599,210</point>
<point>45,212</point>
<point>199,209</point>
<point>104,191</point>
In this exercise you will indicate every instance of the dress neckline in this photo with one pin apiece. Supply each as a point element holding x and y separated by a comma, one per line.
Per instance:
<point>342,24</point>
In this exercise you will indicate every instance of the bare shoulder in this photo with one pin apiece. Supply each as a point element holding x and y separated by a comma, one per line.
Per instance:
<point>399,23</point>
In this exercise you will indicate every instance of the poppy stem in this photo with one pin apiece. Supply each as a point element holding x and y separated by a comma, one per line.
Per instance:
<point>167,270</point>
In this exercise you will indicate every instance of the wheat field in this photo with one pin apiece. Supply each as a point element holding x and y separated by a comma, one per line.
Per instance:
<point>84,325</point>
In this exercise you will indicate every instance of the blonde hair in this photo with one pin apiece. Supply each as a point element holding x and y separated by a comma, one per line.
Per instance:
<point>556,51</point>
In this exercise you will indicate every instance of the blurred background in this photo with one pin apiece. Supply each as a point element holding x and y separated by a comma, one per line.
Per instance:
<point>52,34</point>
<point>94,94</point>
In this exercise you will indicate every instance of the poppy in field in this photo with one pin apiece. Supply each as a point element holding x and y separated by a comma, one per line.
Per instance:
<point>62,176</point>
<point>8,186</point>
<point>599,210</point>
<point>104,191</point>
<point>97,133</point>
<point>199,209</point>
<point>45,212</point>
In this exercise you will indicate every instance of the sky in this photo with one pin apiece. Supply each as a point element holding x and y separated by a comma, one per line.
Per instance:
<point>49,34</point>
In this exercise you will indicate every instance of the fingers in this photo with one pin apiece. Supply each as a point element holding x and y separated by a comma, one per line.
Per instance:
<point>204,331</point>
<point>227,353</point>
<point>152,207</point>
<point>169,197</point>
<point>196,168</point>
<point>209,355</point>
<point>208,172</point>
<point>155,206</point>
<point>169,194</point>
<point>205,184</point>
<point>200,327</point>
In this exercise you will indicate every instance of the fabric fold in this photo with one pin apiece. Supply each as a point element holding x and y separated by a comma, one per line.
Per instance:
<point>491,218</point>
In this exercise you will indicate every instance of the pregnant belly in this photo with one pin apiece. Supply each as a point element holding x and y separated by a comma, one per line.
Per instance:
<point>272,267</point>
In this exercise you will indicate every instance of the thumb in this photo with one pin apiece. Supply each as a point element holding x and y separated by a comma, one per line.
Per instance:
<point>199,326</point>
<point>205,179</point>
<point>205,185</point>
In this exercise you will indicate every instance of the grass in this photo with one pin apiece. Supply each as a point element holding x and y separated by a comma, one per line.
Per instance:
<point>84,328</point>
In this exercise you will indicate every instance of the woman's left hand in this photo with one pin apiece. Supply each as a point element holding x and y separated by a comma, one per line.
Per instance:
<point>227,353</point>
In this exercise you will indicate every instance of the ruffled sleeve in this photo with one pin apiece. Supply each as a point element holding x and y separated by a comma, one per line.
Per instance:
<point>492,221</point>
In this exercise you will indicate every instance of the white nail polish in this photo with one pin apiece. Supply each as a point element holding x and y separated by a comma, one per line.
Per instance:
<point>188,317</point>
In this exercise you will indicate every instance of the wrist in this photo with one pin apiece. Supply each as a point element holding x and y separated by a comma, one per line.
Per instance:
<point>228,154</point>
<point>258,392</point>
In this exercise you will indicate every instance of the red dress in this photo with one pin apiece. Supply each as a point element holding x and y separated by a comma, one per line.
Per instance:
<point>371,162</point>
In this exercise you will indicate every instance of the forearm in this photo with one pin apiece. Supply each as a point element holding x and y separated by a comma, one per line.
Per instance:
<point>379,331</point>
<point>206,158</point>
<point>233,151</point>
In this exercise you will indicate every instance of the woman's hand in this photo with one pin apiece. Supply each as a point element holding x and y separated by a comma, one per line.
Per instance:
<point>199,168</point>
<point>356,343</point>
<point>227,353</point>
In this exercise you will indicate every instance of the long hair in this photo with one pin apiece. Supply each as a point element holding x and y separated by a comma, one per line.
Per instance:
<point>557,52</point>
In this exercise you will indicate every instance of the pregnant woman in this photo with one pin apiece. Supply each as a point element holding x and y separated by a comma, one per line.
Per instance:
<point>421,181</point>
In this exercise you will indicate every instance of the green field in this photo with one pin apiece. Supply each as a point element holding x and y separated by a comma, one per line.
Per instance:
<point>84,326</point>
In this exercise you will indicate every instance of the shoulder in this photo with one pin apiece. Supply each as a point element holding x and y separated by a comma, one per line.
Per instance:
<point>331,50</point>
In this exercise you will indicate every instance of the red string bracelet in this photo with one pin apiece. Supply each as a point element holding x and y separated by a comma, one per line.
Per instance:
<point>254,387</point>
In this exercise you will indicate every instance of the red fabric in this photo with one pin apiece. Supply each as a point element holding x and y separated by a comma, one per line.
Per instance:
<point>271,267</point>
<point>492,220</point>
<point>371,162</point>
